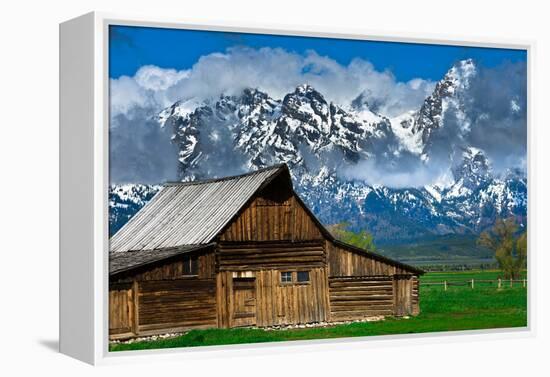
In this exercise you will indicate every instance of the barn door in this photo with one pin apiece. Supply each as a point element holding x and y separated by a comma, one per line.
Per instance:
<point>403,295</point>
<point>121,310</point>
<point>244,302</point>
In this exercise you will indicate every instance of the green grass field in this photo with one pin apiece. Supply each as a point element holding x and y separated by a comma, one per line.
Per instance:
<point>458,308</point>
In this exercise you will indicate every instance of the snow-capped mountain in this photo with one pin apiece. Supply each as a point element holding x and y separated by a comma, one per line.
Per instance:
<point>416,128</point>
<point>262,131</point>
<point>125,201</point>
<point>322,142</point>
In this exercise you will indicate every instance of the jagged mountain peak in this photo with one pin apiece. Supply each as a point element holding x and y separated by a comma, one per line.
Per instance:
<point>460,74</point>
<point>305,89</point>
<point>473,169</point>
<point>300,130</point>
<point>415,130</point>
<point>319,139</point>
<point>253,96</point>
<point>308,105</point>
<point>360,103</point>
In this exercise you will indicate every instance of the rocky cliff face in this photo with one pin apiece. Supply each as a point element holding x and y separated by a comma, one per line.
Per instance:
<point>322,142</point>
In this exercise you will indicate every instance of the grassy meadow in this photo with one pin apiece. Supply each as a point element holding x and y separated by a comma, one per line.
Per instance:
<point>458,308</point>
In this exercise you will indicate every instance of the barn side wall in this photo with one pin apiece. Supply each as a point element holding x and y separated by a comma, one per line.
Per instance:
<point>159,299</point>
<point>359,297</point>
<point>351,273</point>
<point>276,302</point>
<point>176,305</point>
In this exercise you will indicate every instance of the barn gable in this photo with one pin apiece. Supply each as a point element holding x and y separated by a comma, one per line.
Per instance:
<point>274,213</point>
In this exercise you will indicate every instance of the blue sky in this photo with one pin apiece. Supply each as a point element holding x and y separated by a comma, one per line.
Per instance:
<point>133,47</point>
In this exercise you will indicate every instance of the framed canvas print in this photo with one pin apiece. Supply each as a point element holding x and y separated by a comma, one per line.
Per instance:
<point>229,186</point>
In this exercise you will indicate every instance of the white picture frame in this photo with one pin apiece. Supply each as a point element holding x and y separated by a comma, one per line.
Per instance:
<point>84,140</point>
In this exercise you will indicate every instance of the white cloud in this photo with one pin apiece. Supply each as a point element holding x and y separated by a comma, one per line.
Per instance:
<point>125,94</point>
<point>273,70</point>
<point>413,173</point>
<point>142,152</point>
<point>155,78</point>
<point>492,108</point>
<point>147,89</point>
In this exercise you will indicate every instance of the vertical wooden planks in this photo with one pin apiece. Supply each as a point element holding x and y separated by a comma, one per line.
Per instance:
<point>292,303</point>
<point>121,311</point>
<point>135,308</point>
<point>268,220</point>
<point>403,292</point>
<point>223,299</point>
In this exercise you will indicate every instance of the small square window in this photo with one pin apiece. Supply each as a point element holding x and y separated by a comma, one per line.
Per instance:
<point>303,276</point>
<point>286,277</point>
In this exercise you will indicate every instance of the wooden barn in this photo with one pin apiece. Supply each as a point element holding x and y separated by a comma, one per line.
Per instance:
<point>243,251</point>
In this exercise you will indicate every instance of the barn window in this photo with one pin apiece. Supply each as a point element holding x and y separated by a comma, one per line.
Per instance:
<point>194,265</point>
<point>303,277</point>
<point>286,277</point>
<point>190,265</point>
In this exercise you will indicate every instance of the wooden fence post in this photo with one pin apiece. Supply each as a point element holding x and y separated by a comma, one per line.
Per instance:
<point>445,284</point>
<point>499,283</point>
<point>511,283</point>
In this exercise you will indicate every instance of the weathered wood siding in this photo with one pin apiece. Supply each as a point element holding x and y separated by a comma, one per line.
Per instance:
<point>274,215</point>
<point>280,303</point>
<point>256,256</point>
<point>276,303</point>
<point>244,302</point>
<point>355,298</point>
<point>160,298</point>
<point>224,299</point>
<point>403,292</point>
<point>175,305</point>
<point>343,262</point>
<point>173,269</point>
<point>121,310</point>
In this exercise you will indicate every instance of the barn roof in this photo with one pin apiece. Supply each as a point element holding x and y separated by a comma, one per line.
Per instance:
<point>190,213</point>
<point>120,262</point>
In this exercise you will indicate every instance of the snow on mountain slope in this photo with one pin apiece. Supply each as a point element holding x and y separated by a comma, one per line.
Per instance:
<point>125,200</point>
<point>402,126</point>
<point>416,128</point>
<point>319,140</point>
